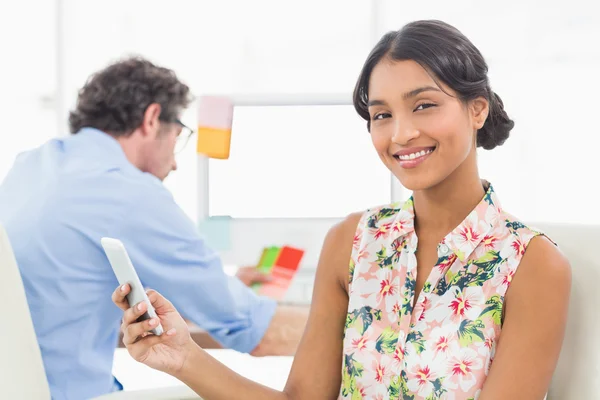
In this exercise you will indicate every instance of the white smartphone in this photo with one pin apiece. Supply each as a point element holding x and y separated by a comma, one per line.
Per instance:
<point>123,269</point>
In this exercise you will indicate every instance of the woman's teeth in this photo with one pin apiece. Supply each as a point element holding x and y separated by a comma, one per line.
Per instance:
<point>418,154</point>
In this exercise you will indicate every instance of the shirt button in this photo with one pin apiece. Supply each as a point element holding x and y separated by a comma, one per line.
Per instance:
<point>443,250</point>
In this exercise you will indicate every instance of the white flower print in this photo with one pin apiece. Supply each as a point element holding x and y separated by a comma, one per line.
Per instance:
<point>355,343</point>
<point>440,338</point>
<point>445,340</point>
<point>422,372</point>
<point>456,305</point>
<point>464,366</point>
<point>379,371</point>
<point>502,279</point>
<point>469,234</point>
<point>384,289</point>
<point>399,353</point>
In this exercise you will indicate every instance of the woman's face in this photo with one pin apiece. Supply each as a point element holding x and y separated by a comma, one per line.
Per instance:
<point>420,133</point>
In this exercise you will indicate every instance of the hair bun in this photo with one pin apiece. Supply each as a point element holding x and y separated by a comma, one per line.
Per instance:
<point>497,127</point>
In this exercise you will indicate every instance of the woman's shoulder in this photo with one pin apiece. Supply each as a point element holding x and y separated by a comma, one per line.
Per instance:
<point>540,254</point>
<point>520,230</point>
<point>355,223</point>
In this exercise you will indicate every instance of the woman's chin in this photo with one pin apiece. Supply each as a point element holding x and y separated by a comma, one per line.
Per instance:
<point>416,182</point>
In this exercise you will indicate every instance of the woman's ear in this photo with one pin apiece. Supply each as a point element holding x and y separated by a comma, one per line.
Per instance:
<point>479,109</point>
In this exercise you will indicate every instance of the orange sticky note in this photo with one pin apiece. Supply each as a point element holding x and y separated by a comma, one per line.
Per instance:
<point>215,118</point>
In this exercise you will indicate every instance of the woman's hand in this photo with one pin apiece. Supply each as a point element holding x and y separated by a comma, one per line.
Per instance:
<point>167,352</point>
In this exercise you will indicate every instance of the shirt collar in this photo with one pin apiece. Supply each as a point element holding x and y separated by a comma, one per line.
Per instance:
<point>101,145</point>
<point>465,238</point>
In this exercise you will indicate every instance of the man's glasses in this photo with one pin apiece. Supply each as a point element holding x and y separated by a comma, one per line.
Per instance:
<point>184,136</point>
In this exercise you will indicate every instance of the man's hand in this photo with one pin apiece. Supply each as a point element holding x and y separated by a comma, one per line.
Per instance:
<point>251,275</point>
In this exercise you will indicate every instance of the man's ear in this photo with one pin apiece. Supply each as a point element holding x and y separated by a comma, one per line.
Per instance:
<point>479,108</point>
<point>150,123</point>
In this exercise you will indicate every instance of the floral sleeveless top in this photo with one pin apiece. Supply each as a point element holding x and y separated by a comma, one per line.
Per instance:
<point>441,348</point>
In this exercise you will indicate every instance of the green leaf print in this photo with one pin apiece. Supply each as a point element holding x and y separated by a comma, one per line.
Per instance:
<point>394,389</point>
<point>348,382</point>
<point>351,268</point>
<point>489,257</point>
<point>420,345</point>
<point>514,225</point>
<point>407,306</point>
<point>350,318</point>
<point>398,389</point>
<point>488,197</point>
<point>383,259</point>
<point>470,332</point>
<point>374,219</point>
<point>365,315</point>
<point>427,287</point>
<point>438,389</point>
<point>386,342</point>
<point>485,268</point>
<point>409,292</point>
<point>356,395</point>
<point>493,307</point>
<point>416,338</point>
<point>353,367</point>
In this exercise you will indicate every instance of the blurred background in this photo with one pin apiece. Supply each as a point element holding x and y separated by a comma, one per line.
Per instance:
<point>294,170</point>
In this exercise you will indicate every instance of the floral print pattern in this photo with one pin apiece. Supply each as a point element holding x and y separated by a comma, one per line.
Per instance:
<point>443,347</point>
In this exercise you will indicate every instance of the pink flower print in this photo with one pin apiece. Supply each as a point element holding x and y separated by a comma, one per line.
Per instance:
<point>401,224</point>
<point>383,230</point>
<point>383,288</point>
<point>362,254</point>
<point>489,242</point>
<point>463,367</point>
<point>421,378</point>
<point>502,279</point>
<point>380,371</point>
<point>465,304</point>
<point>518,246</point>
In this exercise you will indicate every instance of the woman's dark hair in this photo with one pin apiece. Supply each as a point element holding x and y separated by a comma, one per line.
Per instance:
<point>115,99</point>
<point>449,57</point>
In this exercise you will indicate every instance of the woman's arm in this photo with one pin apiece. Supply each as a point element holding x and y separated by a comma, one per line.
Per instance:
<point>534,324</point>
<point>316,371</point>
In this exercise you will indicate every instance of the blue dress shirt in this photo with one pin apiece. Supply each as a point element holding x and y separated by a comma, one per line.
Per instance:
<point>56,203</point>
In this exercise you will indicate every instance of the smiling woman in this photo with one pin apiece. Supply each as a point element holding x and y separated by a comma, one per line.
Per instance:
<point>444,296</point>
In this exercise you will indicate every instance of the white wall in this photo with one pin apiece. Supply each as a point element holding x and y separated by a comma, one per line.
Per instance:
<point>542,56</point>
<point>27,77</point>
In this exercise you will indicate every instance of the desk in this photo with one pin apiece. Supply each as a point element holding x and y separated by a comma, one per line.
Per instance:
<point>270,371</point>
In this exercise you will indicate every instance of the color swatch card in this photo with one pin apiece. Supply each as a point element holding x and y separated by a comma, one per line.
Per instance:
<point>268,258</point>
<point>215,118</point>
<point>282,265</point>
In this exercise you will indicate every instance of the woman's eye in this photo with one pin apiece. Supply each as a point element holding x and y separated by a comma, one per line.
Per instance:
<point>380,116</point>
<point>424,106</point>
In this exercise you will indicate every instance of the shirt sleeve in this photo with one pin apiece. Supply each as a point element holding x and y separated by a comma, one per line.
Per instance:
<point>171,256</point>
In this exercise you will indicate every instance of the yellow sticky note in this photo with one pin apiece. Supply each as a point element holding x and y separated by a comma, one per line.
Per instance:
<point>215,118</point>
<point>213,142</point>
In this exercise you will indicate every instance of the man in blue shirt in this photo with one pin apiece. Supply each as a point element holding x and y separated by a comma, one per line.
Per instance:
<point>106,180</point>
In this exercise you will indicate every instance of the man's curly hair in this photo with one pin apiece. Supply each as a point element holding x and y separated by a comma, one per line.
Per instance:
<point>115,99</point>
